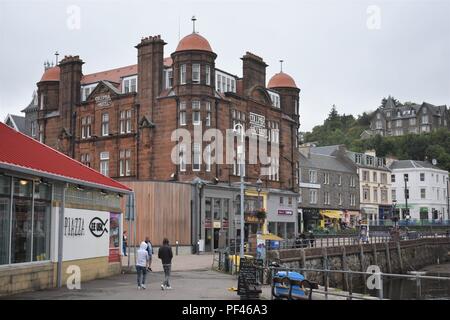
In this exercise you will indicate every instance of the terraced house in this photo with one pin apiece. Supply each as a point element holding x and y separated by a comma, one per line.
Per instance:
<point>120,122</point>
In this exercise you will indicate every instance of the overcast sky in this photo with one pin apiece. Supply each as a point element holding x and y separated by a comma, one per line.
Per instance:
<point>350,53</point>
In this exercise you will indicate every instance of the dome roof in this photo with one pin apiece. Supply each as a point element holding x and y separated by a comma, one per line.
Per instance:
<point>281,80</point>
<point>51,74</point>
<point>194,41</point>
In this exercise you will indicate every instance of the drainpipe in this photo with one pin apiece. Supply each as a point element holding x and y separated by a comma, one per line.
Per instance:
<point>61,237</point>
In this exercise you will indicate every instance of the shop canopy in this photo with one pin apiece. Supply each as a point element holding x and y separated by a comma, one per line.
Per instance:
<point>333,214</point>
<point>271,236</point>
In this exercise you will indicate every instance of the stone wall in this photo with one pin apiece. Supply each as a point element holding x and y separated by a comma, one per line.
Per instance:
<point>391,257</point>
<point>39,276</point>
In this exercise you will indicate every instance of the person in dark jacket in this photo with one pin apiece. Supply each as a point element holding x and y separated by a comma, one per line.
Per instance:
<point>165,254</point>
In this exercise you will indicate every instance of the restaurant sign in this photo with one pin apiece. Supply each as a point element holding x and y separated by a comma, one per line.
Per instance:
<point>285,212</point>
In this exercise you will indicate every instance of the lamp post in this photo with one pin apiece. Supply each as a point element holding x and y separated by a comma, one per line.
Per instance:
<point>259,184</point>
<point>394,216</point>
<point>448,199</point>
<point>239,128</point>
<point>405,178</point>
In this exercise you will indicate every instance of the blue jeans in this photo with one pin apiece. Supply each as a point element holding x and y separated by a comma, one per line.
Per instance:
<point>141,274</point>
<point>124,249</point>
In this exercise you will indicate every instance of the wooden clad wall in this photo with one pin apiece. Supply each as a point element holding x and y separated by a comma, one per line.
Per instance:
<point>163,210</point>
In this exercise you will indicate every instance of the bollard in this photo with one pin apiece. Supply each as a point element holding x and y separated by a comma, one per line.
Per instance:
<point>198,247</point>
<point>176,242</point>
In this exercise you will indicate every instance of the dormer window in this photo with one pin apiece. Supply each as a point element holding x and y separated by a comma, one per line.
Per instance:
<point>129,84</point>
<point>168,78</point>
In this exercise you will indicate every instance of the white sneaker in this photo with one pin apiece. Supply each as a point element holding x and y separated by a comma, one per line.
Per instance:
<point>162,287</point>
<point>144,287</point>
<point>169,288</point>
<point>139,288</point>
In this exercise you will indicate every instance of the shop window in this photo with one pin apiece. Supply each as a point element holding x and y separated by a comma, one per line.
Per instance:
<point>5,207</point>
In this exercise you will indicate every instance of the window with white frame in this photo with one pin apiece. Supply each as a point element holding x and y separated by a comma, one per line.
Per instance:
<point>182,157</point>
<point>423,193</point>
<point>312,176</point>
<point>208,75</point>
<point>297,173</point>
<point>104,163</point>
<point>183,74</point>
<point>196,73</point>
<point>86,159</point>
<point>412,121</point>
<point>168,78</point>
<point>398,123</point>
<point>208,114</point>
<point>394,194</point>
<point>312,196</point>
<point>122,121</point>
<point>33,129</point>
<point>105,124</point>
<point>42,101</point>
<point>300,198</point>
<point>326,178</point>
<point>425,118</point>
<point>340,198</point>
<point>326,197</point>
<point>197,156</point>
<point>182,113</point>
<point>422,177</point>
<point>125,163</point>
<point>273,132</point>
<point>128,121</point>
<point>339,179</point>
<point>275,97</point>
<point>208,158</point>
<point>196,118</point>
<point>86,90</point>
<point>352,200</point>
<point>296,107</point>
<point>384,195</point>
<point>238,118</point>
<point>352,181</point>
<point>366,194</point>
<point>86,127</point>
<point>129,84</point>
<point>375,194</point>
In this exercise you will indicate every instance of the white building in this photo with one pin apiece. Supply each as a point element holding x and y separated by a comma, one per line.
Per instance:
<point>427,186</point>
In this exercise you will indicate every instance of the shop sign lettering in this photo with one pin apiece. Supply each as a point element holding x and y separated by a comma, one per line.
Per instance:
<point>73,227</point>
<point>98,227</point>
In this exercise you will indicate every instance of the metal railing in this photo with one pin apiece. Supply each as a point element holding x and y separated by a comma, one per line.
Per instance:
<point>337,241</point>
<point>348,282</point>
<point>411,222</point>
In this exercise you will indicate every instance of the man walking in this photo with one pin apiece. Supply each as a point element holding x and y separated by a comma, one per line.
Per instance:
<point>165,254</point>
<point>150,252</point>
<point>141,265</point>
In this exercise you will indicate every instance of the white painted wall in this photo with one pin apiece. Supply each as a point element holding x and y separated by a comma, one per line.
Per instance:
<point>82,246</point>
<point>435,184</point>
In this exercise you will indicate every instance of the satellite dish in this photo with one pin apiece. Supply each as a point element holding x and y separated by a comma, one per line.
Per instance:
<point>434,162</point>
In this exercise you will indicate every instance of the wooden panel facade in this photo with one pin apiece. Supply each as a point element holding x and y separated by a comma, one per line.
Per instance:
<point>163,210</point>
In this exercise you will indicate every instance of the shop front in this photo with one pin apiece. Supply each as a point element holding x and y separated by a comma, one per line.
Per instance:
<point>352,218</point>
<point>369,213</point>
<point>331,219</point>
<point>311,218</point>
<point>384,212</point>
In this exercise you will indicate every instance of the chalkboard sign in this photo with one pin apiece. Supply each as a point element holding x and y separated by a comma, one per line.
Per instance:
<point>247,269</point>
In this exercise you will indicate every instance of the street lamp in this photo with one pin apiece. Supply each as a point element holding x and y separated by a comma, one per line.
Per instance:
<point>239,128</point>
<point>259,184</point>
<point>405,178</point>
<point>394,216</point>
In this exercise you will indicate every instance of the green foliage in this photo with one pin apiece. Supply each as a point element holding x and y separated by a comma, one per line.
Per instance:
<point>345,129</point>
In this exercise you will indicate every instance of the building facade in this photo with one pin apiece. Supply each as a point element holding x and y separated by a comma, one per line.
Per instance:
<point>57,217</point>
<point>395,119</point>
<point>426,190</point>
<point>329,188</point>
<point>375,186</point>
<point>123,122</point>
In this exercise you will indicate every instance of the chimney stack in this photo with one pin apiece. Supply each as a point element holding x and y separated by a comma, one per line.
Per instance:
<point>254,71</point>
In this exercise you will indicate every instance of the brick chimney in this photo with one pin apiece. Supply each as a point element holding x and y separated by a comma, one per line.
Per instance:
<point>150,72</point>
<point>69,90</point>
<point>254,71</point>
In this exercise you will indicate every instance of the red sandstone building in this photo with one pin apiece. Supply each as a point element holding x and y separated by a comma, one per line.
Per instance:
<point>120,122</point>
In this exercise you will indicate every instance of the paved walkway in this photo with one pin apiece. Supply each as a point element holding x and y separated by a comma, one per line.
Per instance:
<point>187,285</point>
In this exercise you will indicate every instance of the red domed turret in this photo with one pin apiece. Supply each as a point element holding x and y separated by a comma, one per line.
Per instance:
<point>194,41</point>
<point>282,80</point>
<point>51,74</point>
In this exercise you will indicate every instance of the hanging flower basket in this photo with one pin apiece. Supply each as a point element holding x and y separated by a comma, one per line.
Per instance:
<point>261,214</point>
